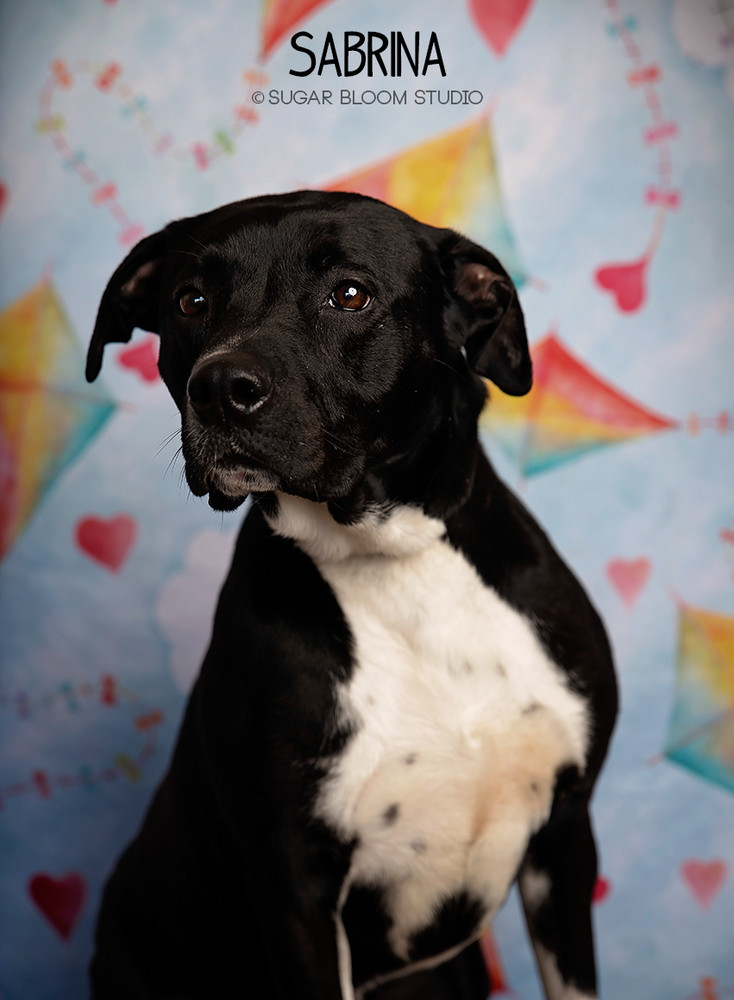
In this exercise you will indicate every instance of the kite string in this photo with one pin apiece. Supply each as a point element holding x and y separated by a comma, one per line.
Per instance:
<point>108,79</point>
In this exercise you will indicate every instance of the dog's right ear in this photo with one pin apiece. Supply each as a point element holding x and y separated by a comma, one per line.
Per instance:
<point>490,327</point>
<point>130,299</point>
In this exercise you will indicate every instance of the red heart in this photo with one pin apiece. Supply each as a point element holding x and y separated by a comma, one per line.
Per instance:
<point>704,879</point>
<point>3,197</point>
<point>142,358</point>
<point>602,888</point>
<point>626,282</point>
<point>628,576</point>
<point>107,541</point>
<point>60,900</point>
<point>499,20</point>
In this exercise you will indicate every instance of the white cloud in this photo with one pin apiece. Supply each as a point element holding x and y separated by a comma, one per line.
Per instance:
<point>704,35</point>
<point>186,603</point>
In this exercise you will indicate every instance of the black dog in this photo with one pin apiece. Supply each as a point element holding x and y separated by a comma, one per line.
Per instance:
<point>408,696</point>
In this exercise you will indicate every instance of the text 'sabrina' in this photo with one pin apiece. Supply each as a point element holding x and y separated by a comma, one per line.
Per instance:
<point>371,52</point>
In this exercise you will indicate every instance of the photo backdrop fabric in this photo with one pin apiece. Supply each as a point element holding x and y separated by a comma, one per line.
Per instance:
<point>591,146</point>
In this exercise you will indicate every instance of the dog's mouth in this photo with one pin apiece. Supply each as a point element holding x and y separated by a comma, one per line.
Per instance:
<point>294,456</point>
<point>230,481</point>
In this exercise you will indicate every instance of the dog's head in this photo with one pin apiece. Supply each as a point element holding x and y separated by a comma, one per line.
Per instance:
<point>319,344</point>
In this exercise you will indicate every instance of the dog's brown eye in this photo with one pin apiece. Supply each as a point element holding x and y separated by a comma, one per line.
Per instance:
<point>192,303</point>
<point>350,295</point>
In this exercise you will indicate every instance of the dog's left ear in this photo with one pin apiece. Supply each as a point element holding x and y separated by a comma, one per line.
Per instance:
<point>490,325</point>
<point>129,301</point>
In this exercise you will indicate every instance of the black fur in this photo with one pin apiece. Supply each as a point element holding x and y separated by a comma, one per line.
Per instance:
<point>232,882</point>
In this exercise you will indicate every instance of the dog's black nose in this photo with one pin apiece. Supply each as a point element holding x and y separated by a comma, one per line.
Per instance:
<point>229,387</point>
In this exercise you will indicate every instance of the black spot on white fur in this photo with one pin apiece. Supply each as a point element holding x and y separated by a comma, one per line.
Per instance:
<point>457,920</point>
<point>390,815</point>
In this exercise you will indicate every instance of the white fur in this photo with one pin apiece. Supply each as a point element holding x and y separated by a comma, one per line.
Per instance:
<point>403,531</point>
<point>535,888</point>
<point>554,985</point>
<point>461,719</point>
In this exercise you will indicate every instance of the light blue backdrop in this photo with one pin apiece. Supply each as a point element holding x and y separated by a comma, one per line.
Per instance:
<point>107,591</point>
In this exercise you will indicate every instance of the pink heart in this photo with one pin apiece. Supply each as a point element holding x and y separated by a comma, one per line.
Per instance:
<point>602,888</point>
<point>626,282</point>
<point>704,879</point>
<point>142,358</point>
<point>3,197</point>
<point>107,541</point>
<point>499,20</point>
<point>60,900</point>
<point>629,576</point>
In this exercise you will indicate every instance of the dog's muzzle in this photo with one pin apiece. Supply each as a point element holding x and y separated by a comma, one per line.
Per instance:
<point>226,393</point>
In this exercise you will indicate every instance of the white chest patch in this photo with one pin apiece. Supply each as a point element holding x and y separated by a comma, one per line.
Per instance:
<point>460,718</point>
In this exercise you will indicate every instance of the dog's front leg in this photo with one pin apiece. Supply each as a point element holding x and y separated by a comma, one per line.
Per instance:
<point>556,884</point>
<point>298,893</point>
<point>309,952</point>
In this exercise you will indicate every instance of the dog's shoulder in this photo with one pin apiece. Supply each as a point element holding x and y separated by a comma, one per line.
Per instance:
<point>513,555</point>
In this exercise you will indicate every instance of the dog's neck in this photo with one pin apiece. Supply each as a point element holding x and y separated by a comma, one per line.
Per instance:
<point>436,472</point>
<point>386,531</point>
<point>399,526</point>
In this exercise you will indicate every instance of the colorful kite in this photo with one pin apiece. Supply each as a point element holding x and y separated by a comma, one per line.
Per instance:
<point>450,180</point>
<point>701,730</point>
<point>280,16</point>
<point>47,413</point>
<point>569,411</point>
<point>44,781</point>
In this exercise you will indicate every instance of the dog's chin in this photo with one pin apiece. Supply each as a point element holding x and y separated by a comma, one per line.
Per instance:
<point>229,487</point>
